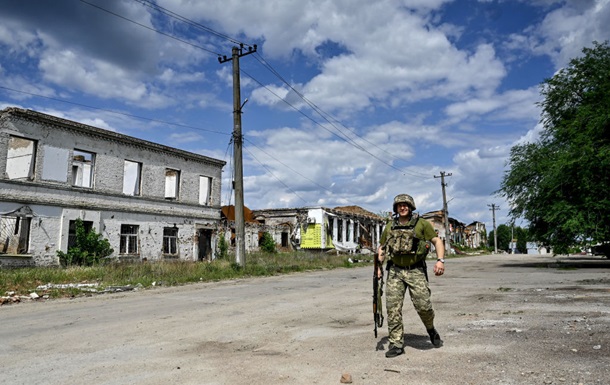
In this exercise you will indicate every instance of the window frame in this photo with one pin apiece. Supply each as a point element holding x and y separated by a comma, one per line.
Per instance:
<point>172,184</point>
<point>135,184</point>
<point>76,164</point>
<point>11,161</point>
<point>129,242</point>
<point>170,242</point>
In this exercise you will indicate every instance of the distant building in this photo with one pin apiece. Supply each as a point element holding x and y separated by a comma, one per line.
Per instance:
<point>349,229</point>
<point>474,235</point>
<point>152,202</point>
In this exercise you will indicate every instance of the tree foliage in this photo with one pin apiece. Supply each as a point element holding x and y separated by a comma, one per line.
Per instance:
<point>88,250</point>
<point>267,244</point>
<point>560,183</point>
<point>503,237</point>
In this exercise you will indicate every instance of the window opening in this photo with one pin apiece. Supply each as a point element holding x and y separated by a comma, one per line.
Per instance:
<point>205,190</point>
<point>132,176</point>
<point>87,225</point>
<point>82,168</point>
<point>21,158</point>
<point>129,239</point>
<point>172,183</point>
<point>14,234</point>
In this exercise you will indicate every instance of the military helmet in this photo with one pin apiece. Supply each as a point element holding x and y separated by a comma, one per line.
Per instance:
<point>404,198</point>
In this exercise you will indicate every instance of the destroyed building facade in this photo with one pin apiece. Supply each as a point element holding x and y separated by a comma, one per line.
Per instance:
<point>151,201</point>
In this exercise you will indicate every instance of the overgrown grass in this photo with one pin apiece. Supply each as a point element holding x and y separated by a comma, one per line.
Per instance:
<point>24,281</point>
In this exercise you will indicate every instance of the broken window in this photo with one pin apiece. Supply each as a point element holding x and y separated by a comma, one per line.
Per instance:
<point>350,226</point>
<point>21,158</point>
<point>82,168</point>
<point>14,234</point>
<point>87,225</point>
<point>205,190</point>
<point>331,228</point>
<point>340,230</point>
<point>129,239</point>
<point>170,241</point>
<point>132,176</point>
<point>284,239</point>
<point>172,183</point>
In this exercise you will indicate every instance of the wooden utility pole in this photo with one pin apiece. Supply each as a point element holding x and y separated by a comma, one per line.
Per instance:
<point>493,209</point>
<point>445,212</point>
<point>240,223</point>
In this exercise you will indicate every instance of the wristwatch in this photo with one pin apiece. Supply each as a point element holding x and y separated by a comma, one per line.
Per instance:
<point>440,260</point>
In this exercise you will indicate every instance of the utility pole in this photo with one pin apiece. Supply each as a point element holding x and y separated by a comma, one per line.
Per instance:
<point>240,223</point>
<point>493,209</point>
<point>445,211</point>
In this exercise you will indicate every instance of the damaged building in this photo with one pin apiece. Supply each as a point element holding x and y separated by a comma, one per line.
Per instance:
<point>349,229</point>
<point>152,202</point>
<point>473,235</point>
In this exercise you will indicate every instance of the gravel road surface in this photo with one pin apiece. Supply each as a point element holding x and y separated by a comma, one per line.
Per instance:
<point>504,319</point>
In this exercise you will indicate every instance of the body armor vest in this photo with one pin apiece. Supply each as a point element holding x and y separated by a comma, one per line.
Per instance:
<point>402,245</point>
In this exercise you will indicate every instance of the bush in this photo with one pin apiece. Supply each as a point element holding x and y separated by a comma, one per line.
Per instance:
<point>88,250</point>
<point>267,244</point>
<point>223,248</point>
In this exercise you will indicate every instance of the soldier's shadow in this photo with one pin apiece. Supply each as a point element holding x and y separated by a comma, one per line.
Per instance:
<point>415,341</point>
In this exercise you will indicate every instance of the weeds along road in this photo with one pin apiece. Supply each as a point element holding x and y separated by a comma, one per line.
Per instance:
<point>504,319</point>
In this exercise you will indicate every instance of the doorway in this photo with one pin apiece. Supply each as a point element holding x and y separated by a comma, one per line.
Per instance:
<point>204,245</point>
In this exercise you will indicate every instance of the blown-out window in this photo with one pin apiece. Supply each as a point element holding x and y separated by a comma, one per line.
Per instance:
<point>205,190</point>
<point>21,158</point>
<point>82,168</point>
<point>132,176</point>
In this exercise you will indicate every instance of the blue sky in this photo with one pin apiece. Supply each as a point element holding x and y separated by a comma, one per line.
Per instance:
<point>349,102</point>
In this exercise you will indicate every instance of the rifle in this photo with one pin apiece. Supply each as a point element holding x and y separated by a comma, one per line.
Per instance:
<point>377,293</point>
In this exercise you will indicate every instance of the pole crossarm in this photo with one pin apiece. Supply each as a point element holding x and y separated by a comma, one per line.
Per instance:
<point>240,53</point>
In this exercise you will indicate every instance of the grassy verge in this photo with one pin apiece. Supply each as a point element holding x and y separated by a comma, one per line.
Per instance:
<point>61,282</point>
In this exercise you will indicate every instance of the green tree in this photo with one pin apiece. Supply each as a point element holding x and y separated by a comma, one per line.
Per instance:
<point>503,237</point>
<point>560,183</point>
<point>88,250</point>
<point>522,237</point>
<point>267,244</point>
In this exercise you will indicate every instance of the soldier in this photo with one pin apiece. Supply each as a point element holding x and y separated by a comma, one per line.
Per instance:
<point>404,242</point>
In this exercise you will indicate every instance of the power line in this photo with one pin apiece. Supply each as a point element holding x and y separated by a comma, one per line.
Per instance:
<point>314,107</point>
<point>265,64</point>
<point>172,14</point>
<point>150,28</point>
<point>330,119</point>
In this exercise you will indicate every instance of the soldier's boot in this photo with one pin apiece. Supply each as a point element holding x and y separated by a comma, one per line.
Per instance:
<point>435,338</point>
<point>394,351</point>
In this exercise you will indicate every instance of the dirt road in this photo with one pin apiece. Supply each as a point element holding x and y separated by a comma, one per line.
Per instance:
<point>506,319</point>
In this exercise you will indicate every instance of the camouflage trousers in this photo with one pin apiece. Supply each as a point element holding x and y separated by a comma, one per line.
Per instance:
<point>399,280</point>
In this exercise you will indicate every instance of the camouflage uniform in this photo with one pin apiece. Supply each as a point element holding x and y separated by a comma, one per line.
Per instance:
<point>398,282</point>
<point>408,272</point>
